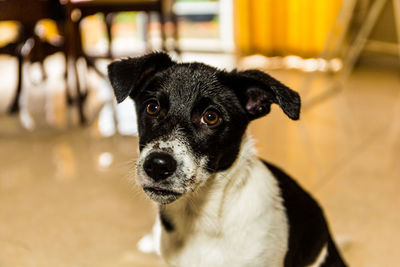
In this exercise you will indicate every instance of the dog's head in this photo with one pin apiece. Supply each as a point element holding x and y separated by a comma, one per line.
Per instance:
<point>192,117</point>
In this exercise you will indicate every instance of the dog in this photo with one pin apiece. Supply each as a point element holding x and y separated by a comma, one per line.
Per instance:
<point>219,204</point>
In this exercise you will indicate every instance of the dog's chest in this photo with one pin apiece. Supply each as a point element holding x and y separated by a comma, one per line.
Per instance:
<point>244,227</point>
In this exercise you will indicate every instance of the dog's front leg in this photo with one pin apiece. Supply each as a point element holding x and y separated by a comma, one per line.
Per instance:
<point>150,243</point>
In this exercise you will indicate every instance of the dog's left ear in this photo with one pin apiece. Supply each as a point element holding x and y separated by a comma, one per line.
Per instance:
<point>258,90</point>
<point>128,75</point>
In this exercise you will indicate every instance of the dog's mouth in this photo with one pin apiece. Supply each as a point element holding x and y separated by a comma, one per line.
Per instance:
<point>162,195</point>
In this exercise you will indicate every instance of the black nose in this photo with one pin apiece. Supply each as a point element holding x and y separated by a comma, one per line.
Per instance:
<point>159,165</point>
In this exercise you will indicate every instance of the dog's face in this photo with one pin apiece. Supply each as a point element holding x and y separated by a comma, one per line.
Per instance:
<point>191,118</point>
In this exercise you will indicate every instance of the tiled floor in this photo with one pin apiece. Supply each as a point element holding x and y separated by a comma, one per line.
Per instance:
<point>67,196</point>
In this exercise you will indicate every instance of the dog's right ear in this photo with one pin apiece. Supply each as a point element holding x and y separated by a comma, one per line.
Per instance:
<point>257,91</point>
<point>128,75</point>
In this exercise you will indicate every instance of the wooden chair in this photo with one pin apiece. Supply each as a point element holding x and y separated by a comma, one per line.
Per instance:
<point>16,10</point>
<point>76,10</point>
<point>68,14</point>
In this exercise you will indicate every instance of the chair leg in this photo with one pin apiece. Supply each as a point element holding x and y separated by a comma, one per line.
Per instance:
<point>68,96</point>
<point>352,54</point>
<point>75,49</point>
<point>334,41</point>
<point>14,108</point>
<point>42,68</point>
<point>174,18</point>
<point>163,35</point>
<point>147,31</point>
<point>360,40</point>
<point>109,22</point>
<point>396,7</point>
<point>80,98</point>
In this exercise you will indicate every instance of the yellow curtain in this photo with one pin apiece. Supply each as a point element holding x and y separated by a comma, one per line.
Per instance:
<point>283,27</point>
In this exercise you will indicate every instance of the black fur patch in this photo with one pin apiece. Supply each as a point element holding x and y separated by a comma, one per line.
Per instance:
<point>308,230</point>
<point>258,90</point>
<point>168,226</point>
<point>128,75</point>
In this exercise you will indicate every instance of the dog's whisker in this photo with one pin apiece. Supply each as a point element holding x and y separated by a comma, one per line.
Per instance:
<point>127,163</point>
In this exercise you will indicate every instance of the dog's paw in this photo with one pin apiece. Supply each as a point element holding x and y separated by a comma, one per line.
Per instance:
<point>146,244</point>
<point>150,243</point>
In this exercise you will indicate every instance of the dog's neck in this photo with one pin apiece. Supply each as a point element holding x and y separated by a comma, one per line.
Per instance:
<point>207,202</point>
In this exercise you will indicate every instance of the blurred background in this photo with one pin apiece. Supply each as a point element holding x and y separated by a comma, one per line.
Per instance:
<point>67,151</point>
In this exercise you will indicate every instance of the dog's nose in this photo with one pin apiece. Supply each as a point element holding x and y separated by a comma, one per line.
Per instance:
<point>159,165</point>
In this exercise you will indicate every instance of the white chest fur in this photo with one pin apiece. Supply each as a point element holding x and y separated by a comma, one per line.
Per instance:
<point>236,219</point>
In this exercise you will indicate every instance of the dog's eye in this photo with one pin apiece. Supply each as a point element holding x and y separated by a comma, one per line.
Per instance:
<point>211,118</point>
<point>153,108</point>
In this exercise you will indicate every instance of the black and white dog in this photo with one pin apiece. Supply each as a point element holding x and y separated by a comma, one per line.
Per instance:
<point>219,205</point>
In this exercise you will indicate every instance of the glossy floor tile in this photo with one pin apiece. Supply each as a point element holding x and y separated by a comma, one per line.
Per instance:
<point>69,200</point>
<point>68,197</point>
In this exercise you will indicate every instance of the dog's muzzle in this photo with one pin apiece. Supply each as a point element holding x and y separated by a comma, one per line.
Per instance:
<point>159,166</point>
<point>167,169</point>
